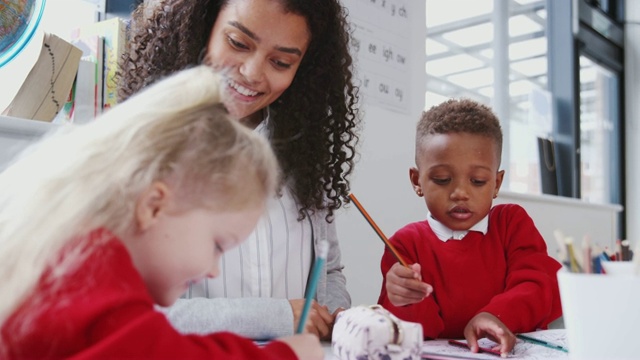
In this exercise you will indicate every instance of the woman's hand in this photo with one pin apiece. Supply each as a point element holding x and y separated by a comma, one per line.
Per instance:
<point>319,321</point>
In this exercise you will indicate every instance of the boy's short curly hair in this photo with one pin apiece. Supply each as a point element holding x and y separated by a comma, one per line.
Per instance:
<point>460,116</point>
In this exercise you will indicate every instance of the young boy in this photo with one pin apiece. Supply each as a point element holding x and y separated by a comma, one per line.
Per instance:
<point>476,271</point>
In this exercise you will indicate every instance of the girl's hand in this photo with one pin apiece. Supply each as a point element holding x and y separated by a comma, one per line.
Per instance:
<point>404,285</point>
<point>489,326</point>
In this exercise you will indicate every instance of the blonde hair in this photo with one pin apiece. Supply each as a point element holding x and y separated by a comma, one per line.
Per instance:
<point>90,176</point>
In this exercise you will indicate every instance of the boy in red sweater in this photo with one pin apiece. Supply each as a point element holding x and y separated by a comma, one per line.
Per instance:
<point>476,271</point>
<point>103,221</point>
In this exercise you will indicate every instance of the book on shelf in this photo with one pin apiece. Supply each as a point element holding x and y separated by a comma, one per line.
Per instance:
<point>92,50</point>
<point>82,107</point>
<point>113,33</point>
<point>46,87</point>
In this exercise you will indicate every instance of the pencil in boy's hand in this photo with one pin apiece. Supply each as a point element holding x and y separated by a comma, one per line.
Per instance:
<point>377,230</point>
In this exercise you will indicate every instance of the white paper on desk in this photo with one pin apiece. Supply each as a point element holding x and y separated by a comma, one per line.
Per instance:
<point>522,350</point>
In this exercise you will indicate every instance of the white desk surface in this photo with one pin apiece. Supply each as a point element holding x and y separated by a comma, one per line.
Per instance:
<point>439,349</point>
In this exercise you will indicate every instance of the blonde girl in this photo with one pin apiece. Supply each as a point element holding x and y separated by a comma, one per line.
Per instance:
<point>100,222</point>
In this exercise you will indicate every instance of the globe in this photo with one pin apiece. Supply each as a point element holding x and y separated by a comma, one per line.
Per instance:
<point>18,22</point>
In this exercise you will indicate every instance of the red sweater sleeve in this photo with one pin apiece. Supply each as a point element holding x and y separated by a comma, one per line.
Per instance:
<point>136,331</point>
<point>531,298</point>
<point>426,312</point>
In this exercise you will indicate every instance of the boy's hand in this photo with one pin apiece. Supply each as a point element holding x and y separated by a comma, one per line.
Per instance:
<point>319,321</point>
<point>404,285</point>
<point>489,326</point>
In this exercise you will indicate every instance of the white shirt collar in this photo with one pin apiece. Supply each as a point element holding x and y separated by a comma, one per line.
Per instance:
<point>444,233</point>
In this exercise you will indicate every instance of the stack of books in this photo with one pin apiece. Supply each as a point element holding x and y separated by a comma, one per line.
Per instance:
<point>74,81</point>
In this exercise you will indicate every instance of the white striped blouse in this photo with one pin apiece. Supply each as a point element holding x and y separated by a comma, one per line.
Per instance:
<point>274,262</point>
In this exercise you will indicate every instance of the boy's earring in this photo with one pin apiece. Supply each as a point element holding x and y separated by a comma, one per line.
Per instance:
<point>419,192</point>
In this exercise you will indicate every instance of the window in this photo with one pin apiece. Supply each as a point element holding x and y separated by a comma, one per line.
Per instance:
<point>505,68</point>
<point>599,128</point>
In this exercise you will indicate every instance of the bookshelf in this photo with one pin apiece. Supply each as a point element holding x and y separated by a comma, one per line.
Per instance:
<point>62,18</point>
<point>16,134</point>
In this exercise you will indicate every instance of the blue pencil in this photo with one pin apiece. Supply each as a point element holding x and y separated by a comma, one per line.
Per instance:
<point>541,342</point>
<point>323,250</point>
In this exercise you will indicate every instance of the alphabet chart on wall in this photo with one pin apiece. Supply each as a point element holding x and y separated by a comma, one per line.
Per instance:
<point>380,46</point>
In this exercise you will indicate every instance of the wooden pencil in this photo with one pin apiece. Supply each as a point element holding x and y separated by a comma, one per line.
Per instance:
<point>377,230</point>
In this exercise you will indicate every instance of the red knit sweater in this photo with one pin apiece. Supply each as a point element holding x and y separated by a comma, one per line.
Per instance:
<point>103,310</point>
<point>506,272</point>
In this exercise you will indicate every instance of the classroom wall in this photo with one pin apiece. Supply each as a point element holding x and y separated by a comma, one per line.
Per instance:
<point>381,178</point>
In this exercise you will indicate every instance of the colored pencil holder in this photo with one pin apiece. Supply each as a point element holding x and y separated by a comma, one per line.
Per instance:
<point>601,314</point>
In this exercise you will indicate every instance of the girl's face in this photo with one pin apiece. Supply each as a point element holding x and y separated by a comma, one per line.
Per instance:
<point>258,47</point>
<point>458,175</point>
<point>173,247</point>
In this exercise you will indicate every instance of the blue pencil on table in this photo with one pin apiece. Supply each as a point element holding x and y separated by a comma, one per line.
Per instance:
<point>541,342</point>
<point>323,250</point>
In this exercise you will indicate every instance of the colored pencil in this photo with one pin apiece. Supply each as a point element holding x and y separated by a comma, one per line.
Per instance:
<point>323,250</point>
<point>377,230</point>
<point>541,342</point>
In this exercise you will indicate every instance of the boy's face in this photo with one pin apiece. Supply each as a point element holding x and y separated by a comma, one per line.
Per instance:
<point>458,175</point>
<point>173,247</point>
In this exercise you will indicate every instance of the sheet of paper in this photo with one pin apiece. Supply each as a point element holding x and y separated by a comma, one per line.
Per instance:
<point>440,349</point>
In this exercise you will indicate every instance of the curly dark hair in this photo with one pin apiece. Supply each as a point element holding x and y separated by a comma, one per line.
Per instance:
<point>315,123</point>
<point>460,115</point>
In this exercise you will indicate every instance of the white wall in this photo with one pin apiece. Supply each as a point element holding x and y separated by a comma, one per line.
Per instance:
<point>381,179</point>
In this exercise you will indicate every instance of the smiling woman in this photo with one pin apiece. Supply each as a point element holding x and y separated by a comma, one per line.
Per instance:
<point>259,68</point>
<point>288,74</point>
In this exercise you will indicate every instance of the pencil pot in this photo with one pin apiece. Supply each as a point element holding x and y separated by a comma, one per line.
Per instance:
<point>372,332</point>
<point>601,315</point>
